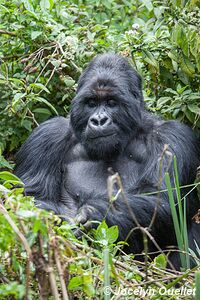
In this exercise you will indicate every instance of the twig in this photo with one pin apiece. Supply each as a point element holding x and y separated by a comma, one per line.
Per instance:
<point>33,117</point>
<point>60,271</point>
<point>16,230</point>
<point>4,279</point>
<point>26,297</point>
<point>41,268</point>
<point>160,180</point>
<point>52,277</point>
<point>25,244</point>
<point>7,32</point>
<point>116,179</point>
<point>49,60</point>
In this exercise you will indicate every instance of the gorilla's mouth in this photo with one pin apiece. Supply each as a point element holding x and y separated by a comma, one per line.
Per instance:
<point>101,136</point>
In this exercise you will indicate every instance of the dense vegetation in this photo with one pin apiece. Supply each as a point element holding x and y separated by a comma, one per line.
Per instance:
<point>45,44</point>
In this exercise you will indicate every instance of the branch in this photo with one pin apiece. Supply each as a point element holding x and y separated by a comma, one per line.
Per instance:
<point>16,230</point>
<point>7,32</point>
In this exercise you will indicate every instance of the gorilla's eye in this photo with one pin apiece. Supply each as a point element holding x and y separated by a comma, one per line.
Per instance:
<point>111,103</point>
<point>91,102</point>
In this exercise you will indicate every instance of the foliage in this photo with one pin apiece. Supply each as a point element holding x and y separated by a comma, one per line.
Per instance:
<point>179,217</point>
<point>46,43</point>
<point>41,257</point>
<point>166,47</point>
<point>197,277</point>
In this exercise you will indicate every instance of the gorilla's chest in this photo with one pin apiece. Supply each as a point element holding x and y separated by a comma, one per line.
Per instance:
<point>83,176</point>
<point>86,176</point>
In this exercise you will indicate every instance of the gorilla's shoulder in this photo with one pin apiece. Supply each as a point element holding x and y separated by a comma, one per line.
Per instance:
<point>177,129</point>
<point>56,125</point>
<point>48,141</point>
<point>52,131</point>
<point>180,138</point>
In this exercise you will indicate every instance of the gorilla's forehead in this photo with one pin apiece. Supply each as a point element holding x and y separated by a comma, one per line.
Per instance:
<point>102,87</point>
<point>101,94</point>
<point>102,90</point>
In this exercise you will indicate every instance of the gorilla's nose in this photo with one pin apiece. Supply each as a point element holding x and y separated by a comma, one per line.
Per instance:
<point>99,121</point>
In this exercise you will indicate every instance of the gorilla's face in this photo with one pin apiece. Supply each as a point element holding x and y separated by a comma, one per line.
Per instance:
<point>98,125</point>
<point>106,111</point>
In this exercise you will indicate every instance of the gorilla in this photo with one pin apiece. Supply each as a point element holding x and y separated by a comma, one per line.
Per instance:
<point>66,162</point>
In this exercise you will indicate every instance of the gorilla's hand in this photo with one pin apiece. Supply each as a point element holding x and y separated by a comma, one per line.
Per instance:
<point>87,218</point>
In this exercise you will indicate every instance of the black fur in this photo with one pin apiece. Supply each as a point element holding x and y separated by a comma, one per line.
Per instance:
<point>65,162</point>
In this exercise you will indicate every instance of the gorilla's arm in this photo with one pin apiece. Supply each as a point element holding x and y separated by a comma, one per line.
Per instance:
<point>39,162</point>
<point>119,213</point>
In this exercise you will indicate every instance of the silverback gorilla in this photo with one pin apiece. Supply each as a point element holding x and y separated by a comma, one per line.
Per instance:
<point>65,162</point>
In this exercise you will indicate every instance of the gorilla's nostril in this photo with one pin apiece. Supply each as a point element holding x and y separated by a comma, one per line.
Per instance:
<point>100,121</point>
<point>94,122</point>
<point>103,121</point>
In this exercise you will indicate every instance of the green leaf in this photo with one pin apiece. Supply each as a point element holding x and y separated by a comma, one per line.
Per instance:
<point>194,108</point>
<point>3,189</point>
<point>160,261</point>
<point>173,55</point>
<point>163,100</point>
<point>35,34</point>
<point>28,5</point>
<point>43,111</point>
<point>148,4</point>
<point>27,124</point>
<point>17,191</point>
<point>16,80</point>
<point>169,90</point>
<point>83,282</point>
<point>4,163</point>
<point>178,35</point>
<point>9,176</point>
<point>75,283</point>
<point>56,62</point>
<point>187,66</point>
<point>37,225</point>
<point>42,100</point>
<point>45,4</point>
<point>88,285</point>
<point>180,89</point>
<point>113,233</point>
<point>106,236</point>
<point>185,46</point>
<point>11,183</point>
<point>40,86</point>
<point>183,77</point>
<point>69,82</point>
<point>190,116</point>
<point>149,58</point>
<point>194,96</point>
<point>107,3</point>
<point>91,35</point>
<point>17,97</point>
<point>51,3</point>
